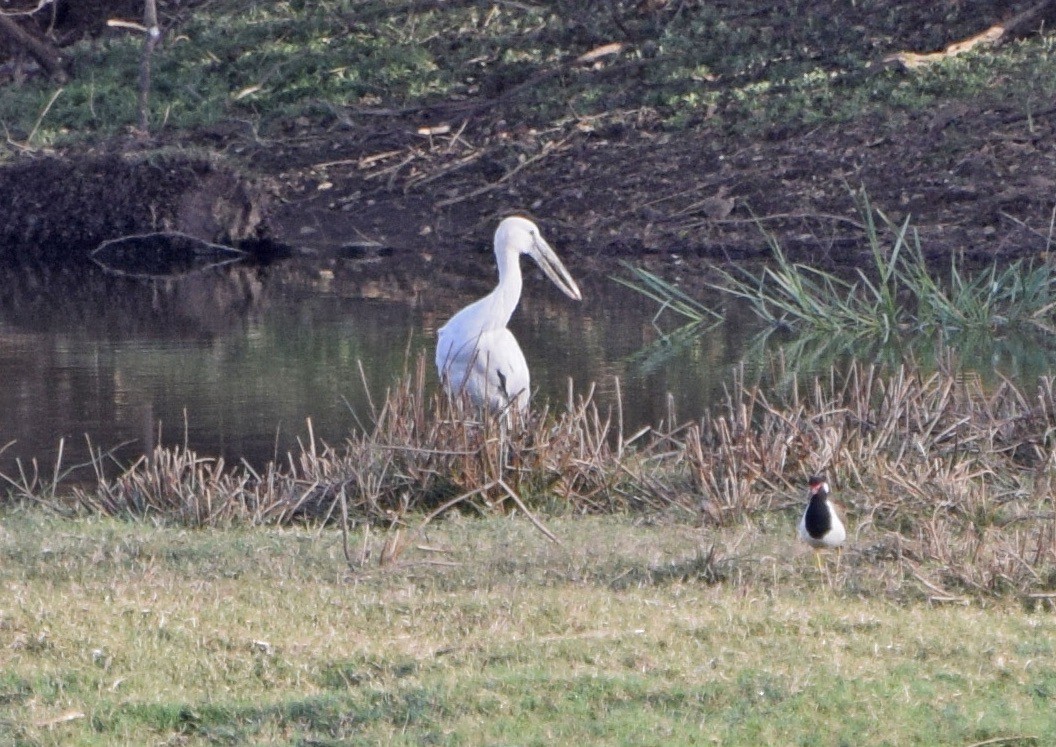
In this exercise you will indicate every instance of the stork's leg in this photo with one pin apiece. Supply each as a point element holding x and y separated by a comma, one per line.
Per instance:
<point>504,444</point>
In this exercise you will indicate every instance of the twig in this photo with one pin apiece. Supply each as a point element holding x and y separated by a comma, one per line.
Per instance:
<point>1004,740</point>
<point>941,594</point>
<point>442,172</point>
<point>538,524</point>
<point>1022,224</point>
<point>458,136</point>
<point>43,113</point>
<point>394,169</point>
<point>153,35</point>
<point>452,503</point>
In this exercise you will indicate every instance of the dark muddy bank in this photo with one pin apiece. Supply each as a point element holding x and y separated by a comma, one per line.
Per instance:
<point>65,207</point>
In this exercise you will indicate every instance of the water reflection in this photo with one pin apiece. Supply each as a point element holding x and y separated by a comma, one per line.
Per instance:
<point>1021,355</point>
<point>235,360</point>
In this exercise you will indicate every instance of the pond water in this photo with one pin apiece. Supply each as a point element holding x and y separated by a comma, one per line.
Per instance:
<point>234,361</point>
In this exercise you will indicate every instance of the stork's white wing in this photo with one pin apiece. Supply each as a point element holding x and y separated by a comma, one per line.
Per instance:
<point>490,369</point>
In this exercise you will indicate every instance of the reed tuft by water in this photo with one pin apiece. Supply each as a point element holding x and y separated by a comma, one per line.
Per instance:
<point>898,292</point>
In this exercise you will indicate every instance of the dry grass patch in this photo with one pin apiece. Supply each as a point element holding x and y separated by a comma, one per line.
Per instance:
<point>948,478</point>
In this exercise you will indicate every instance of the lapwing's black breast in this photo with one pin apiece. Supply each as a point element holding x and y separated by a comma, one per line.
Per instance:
<point>818,519</point>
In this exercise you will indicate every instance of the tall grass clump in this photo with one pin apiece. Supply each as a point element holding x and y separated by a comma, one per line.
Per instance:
<point>897,294</point>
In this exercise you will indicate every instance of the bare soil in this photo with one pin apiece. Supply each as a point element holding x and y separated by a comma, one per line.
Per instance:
<point>976,182</point>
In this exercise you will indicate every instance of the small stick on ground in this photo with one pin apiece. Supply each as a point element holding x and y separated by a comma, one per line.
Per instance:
<point>996,34</point>
<point>531,517</point>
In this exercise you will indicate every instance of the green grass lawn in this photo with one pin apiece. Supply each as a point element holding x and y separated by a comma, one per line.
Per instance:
<point>485,632</point>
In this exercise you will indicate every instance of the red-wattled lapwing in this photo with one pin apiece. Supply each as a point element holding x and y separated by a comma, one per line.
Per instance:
<point>820,526</point>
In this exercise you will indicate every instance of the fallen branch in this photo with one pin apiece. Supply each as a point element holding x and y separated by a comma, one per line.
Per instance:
<point>46,55</point>
<point>993,36</point>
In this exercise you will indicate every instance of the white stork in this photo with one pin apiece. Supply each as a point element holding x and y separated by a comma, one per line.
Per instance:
<point>476,354</point>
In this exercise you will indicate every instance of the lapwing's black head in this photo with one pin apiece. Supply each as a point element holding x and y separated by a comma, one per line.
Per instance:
<point>818,486</point>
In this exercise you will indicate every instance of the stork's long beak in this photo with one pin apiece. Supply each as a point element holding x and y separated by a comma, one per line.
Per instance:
<point>545,257</point>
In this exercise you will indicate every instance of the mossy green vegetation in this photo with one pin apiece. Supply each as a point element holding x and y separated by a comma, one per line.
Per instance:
<point>266,66</point>
<point>123,632</point>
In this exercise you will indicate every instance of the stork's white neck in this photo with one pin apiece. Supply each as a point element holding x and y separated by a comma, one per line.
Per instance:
<point>508,292</point>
